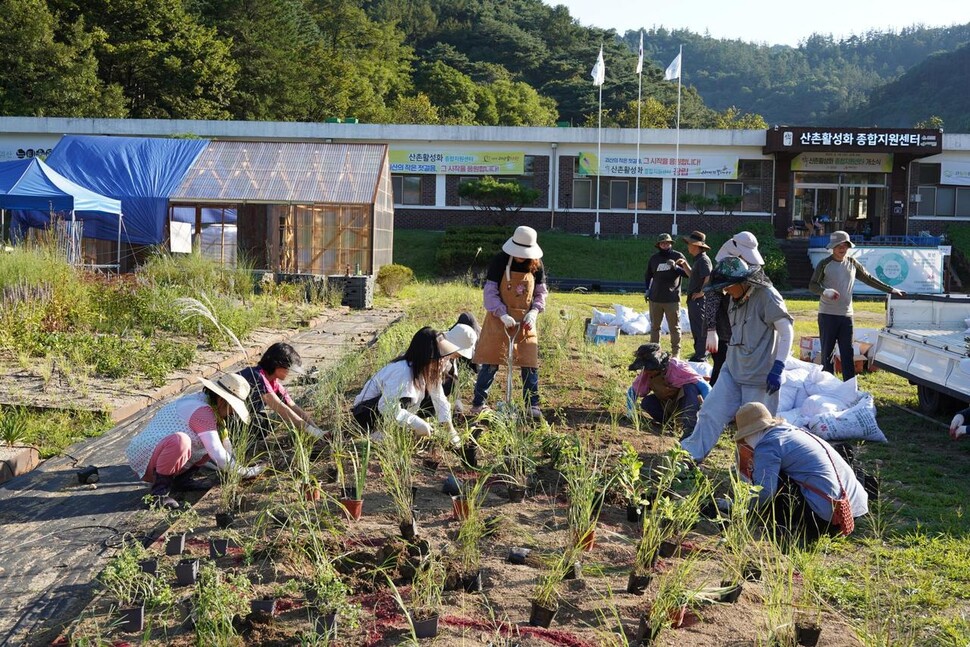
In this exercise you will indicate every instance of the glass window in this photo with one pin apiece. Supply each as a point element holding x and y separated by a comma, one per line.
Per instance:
<point>464,180</point>
<point>753,169</point>
<point>927,202</point>
<point>694,188</point>
<point>582,194</point>
<point>620,194</point>
<point>407,189</point>
<point>733,188</point>
<point>963,202</point>
<point>945,201</point>
<point>752,197</point>
<point>929,173</point>
<point>529,165</point>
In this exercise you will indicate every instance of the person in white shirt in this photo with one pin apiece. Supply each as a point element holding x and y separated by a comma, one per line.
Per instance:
<point>401,386</point>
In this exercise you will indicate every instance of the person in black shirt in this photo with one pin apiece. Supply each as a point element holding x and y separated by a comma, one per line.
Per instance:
<point>665,269</point>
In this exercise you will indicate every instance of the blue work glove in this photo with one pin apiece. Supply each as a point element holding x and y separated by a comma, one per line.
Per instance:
<point>774,376</point>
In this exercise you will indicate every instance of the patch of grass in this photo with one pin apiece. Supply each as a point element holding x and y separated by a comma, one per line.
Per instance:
<point>415,248</point>
<point>54,431</point>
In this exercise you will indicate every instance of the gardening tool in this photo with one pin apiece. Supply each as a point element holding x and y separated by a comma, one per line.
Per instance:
<point>508,406</point>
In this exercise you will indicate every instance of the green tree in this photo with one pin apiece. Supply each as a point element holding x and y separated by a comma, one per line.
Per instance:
<point>732,119</point>
<point>518,104</point>
<point>497,197</point>
<point>653,114</point>
<point>413,110</point>
<point>45,76</point>
<point>451,92</point>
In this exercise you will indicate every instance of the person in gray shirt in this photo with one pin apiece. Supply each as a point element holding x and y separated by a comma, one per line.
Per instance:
<point>800,474</point>
<point>699,274</point>
<point>832,281</point>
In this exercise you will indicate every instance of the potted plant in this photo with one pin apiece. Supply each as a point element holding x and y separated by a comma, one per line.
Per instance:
<point>357,456</point>
<point>218,598</point>
<point>220,543</point>
<point>426,593</point>
<point>124,580</point>
<point>646,556</point>
<point>186,520</point>
<point>396,457</point>
<point>628,479</point>
<point>675,594</point>
<point>517,445</point>
<point>545,595</point>
<point>329,597</point>
<point>586,481</point>
<point>470,533</point>
<point>187,571</point>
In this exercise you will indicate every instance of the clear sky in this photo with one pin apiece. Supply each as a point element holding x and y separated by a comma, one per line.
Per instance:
<point>768,21</point>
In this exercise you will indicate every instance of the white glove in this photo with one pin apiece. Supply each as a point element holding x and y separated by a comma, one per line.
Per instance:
<point>453,436</point>
<point>898,293</point>
<point>829,293</point>
<point>712,341</point>
<point>957,428</point>
<point>251,472</point>
<point>529,320</point>
<point>315,431</point>
<point>421,427</point>
<point>508,321</point>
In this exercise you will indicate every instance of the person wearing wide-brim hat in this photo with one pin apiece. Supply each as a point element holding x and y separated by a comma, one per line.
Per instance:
<point>799,473</point>
<point>761,338</point>
<point>396,391</point>
<point>188,432</point>
<point>668,388</point>
<point>464,334</point>
<point>698,273</point>
<point>662,278</point>
<point>514,295</point>
<point>833,280</point>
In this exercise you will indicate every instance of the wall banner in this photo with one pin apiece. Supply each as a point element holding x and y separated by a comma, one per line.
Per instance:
<point>457,163</point>
<point>955,173</point>
<point>844,162</point>
<point>694,167</point>
<point>913,270</point>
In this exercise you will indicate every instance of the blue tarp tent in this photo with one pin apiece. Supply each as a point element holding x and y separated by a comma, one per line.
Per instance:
<point>142,172</point>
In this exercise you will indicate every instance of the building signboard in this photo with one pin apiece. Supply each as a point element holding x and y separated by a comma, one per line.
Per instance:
<point>18,147</point>
<point>917,270</point>
<point>843,162</point>
<point>955,173</point>
<point>702,167</point>
<point>915,141</point>
<point>434,161</point>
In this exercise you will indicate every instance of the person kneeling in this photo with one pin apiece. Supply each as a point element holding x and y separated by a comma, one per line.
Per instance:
<point>668,387</point>
<point>811,489</point>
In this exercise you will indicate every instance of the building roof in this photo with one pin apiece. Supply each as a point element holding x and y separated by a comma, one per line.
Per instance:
<point>284,173</point>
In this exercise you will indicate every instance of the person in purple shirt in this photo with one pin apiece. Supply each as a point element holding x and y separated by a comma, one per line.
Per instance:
<point>799,473</point>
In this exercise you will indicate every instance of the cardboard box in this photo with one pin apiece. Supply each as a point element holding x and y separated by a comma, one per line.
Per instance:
<point>860,364</point>
<point>809,348</point>
<point>599,334</point>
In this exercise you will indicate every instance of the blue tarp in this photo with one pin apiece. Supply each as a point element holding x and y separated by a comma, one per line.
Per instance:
<point>142,172</point>
<point>32,184</point>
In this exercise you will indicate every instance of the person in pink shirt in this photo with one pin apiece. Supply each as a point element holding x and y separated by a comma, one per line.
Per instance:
<point>188,432</point>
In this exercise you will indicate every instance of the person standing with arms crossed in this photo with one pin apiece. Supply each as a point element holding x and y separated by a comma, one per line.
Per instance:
<point>662,279</point>
<point>833,279</point>
<point>699,274</point>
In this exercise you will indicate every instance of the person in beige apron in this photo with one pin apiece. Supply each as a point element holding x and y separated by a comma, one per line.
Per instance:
<point>515,293</point>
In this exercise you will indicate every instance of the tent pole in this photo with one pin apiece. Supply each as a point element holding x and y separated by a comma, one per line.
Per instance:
<point>118,257</point>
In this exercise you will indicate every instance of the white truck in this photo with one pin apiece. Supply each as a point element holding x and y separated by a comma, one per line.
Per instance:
<point>924,341</point>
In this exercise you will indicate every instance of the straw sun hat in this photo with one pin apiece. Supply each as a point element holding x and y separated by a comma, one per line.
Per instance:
<point>233,389</point>
<point>752,418</point>
<point>523,244</point>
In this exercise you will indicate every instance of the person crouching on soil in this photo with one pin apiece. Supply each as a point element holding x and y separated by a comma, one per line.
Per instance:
<point>515,293</point>
<point>267,391</point>
<point>404,383</point>
<point>465,336</point>
<point>804,479</point>
<point>668,387</point>
<point>188,432</point>
<point>761,337</point>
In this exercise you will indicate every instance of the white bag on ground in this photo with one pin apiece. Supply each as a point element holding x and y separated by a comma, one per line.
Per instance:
<point>816,405</point>
<point>602,318</point>
<point>791,416</point>
<point>638,326</point>
<point>858,422</point>
<point>702,368</point>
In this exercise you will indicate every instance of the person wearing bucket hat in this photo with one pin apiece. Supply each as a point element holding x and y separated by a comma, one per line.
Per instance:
<point>743,245</point>
<point>188,432</point>
<point>514,294</point>
<point>667,387</point>
<point>761,338</point>
<point>699,274</point>
<point>800,474</point>
<point>662,278</point>
<point>833,280</point>
<point>396,391</point>
<point>267,391</point>
<point>465,337</point>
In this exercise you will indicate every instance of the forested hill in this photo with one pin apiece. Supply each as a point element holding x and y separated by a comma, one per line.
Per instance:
<point>810,83</point>
<point>487,62</point>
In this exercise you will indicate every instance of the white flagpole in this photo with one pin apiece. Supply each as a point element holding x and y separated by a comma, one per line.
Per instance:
<point>636,180</point>
<point>673,229</point>
<point>599,162</point>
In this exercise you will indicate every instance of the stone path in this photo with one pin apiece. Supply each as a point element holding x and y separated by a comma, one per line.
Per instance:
<point>56,535</point>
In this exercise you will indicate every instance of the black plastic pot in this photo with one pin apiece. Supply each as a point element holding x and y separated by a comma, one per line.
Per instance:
<point>218,548</point>
<point>472,583</point>
<point>263,609</point>
<point>518,555</point>
<point>409,529</point>
<point>149,565</point>
<point>669,549</point>
<point>574,571</point>
<point>225,519</point>
<point>451,486</point>
<point>807,635</point>
<point>516,493</point>
<point>541,616</point>
<point>430,464</point>
<point>751,573</point>
<point>427,628</point>
<point>637,584</point>
<point>132,619</point>
<point>731,596</point>
<point>187,571</point>
<point>326,624</point>
<point>634,513</point>
<point>644,633</point>
<point>175,544</point>
<point>469,455</point>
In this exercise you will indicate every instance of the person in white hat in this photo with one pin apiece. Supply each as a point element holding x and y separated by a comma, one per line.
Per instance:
<point>514,295</point>
<point>397,390</point>
<point>743,245</point>
<point>188,432</point>
<point>465,337</point>
<point>833,280</point>
<point>801,474</point>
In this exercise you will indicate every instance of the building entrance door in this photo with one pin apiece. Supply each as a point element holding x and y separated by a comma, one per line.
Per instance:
<point>853,202</point>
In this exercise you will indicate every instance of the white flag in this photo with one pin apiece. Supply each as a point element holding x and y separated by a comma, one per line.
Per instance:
<point>673,70</point>
<point>599,70</point>
<point>640,57</point>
